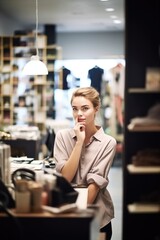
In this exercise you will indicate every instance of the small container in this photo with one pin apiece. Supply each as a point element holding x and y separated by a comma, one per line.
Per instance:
<point>23,200</point>
<point>36,196</point>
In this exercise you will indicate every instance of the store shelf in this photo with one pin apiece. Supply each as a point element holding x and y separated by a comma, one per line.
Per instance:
<point>144,208</point>
<point>145,128</point>
<point>143,90</point>
<point>143,169</point>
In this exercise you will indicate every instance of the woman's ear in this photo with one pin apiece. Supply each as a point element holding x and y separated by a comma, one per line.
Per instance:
<point>96,109</point>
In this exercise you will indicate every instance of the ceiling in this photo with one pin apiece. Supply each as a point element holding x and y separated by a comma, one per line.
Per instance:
<point>67,15</point>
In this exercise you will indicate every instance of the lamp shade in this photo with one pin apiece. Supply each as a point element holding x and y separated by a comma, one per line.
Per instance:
<point>35,67</point>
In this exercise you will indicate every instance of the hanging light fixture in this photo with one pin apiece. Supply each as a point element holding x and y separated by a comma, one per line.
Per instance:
<point>35,66</point>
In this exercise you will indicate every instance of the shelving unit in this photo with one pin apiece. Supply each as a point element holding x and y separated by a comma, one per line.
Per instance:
<point>53,53</point>
<point>26,99</point>
<point>29,91</point>
<point>144,207</point>
<point>141,188</point>
<point>6,103</point>
<point>141,204</point>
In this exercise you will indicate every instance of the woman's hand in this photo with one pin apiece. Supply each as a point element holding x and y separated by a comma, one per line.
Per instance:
<point>79,129</point>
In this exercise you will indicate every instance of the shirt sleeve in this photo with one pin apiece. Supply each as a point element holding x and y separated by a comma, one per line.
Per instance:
<point>100,170</point>
<point>60,151</point>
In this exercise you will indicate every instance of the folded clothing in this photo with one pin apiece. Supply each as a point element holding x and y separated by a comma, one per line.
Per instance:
<point>147,157</point>
<point>152,119</point>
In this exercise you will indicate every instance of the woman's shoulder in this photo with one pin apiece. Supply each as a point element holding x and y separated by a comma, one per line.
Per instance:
<point>110,138</point>
<point>106,137</point>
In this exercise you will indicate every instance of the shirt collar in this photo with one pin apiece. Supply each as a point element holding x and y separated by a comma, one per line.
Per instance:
<point>99,134</point>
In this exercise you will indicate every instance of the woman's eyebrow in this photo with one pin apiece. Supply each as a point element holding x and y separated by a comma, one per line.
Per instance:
<point>86,105</point>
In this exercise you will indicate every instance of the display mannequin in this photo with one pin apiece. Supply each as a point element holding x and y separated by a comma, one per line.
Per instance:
<point>118,85</point>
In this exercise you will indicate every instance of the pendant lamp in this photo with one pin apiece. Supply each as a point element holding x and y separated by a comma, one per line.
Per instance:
<point>35,66</point>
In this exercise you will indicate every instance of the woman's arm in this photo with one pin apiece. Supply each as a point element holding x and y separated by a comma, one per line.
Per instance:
<point>93,190</point>
<point>71,165</point>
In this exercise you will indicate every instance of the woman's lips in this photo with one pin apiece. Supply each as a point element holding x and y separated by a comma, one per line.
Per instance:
<point>81,120</point>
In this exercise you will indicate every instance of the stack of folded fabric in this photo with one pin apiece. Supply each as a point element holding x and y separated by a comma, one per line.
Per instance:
<point>149,122</point>
<point>147,157</point>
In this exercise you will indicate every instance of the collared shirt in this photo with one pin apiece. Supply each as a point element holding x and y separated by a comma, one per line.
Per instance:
<point>94,165</point>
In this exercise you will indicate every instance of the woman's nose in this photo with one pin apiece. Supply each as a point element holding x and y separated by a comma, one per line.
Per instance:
<point>79,113</point>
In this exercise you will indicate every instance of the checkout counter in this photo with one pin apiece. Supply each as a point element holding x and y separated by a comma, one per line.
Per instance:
<point>77,225</point>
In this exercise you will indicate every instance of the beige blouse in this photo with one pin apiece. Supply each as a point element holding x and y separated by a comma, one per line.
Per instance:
<point>96,160</point>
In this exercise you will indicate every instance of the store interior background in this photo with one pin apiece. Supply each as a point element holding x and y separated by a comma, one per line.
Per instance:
<point>80,52</point>
<point>138,46</point>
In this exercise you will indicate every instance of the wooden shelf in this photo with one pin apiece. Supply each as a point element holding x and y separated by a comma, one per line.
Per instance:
<point>145,128</point>
<point>143,169</point>
<point>15,51</point>
<point>144,208</point>
<point>143,90</point>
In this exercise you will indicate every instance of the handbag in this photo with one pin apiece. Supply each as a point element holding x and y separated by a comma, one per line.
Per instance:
<point>63,192</point>
<point>6,199</point>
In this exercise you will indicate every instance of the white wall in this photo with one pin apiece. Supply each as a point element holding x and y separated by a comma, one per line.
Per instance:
<point>92,45</point>
<point>8,25</point>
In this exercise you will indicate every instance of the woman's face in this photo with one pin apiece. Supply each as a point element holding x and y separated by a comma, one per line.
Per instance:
<point>83,110</point>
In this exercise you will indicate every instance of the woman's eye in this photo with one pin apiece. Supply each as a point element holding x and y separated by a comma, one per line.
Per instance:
<point>82,109</point>
<point>85,109</point>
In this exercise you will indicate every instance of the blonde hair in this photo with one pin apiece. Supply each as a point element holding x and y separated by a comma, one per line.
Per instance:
<point>89,93</point>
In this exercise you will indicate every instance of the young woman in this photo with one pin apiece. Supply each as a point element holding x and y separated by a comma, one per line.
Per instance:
<point>85,153</point>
